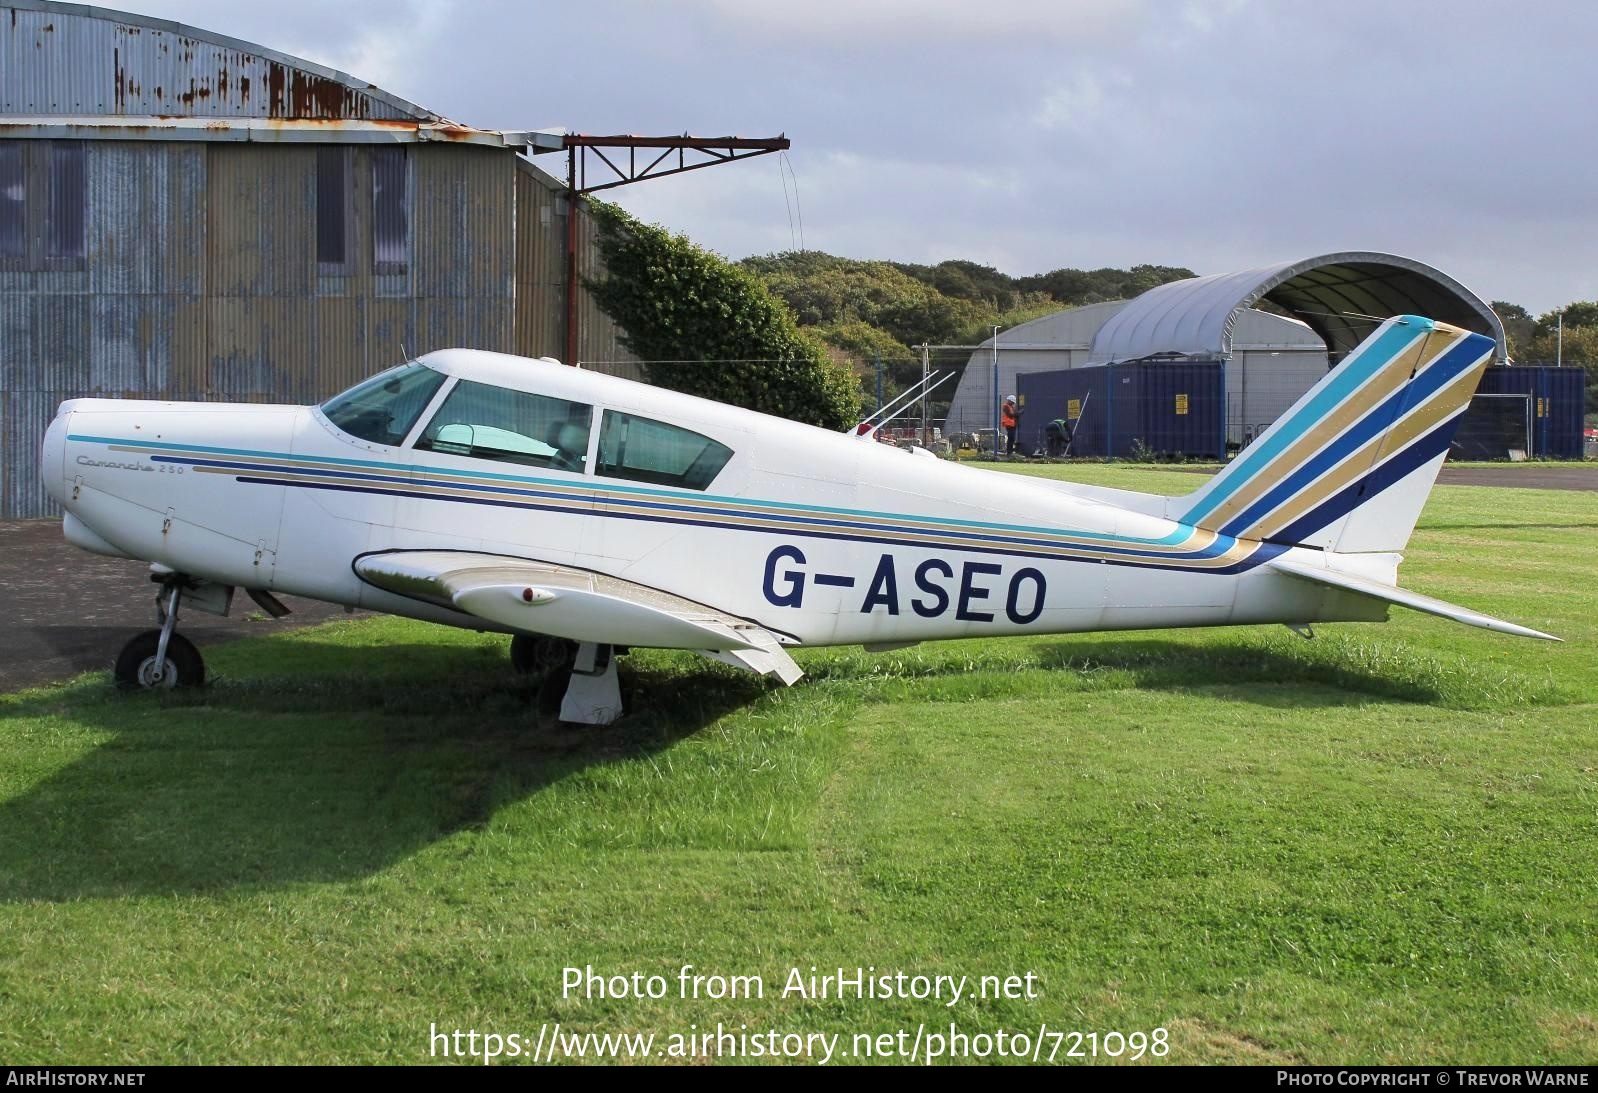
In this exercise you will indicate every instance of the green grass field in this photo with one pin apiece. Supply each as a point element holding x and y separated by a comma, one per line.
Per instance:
<point>1377,846</point>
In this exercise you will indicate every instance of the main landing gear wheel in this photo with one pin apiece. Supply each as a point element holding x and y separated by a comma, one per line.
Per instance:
<point>137,667</point>
<point>548,660</point>
<point>576,681</point>
<point>537,655</point>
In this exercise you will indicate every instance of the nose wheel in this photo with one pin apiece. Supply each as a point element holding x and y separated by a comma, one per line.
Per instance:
<point>160,659</point>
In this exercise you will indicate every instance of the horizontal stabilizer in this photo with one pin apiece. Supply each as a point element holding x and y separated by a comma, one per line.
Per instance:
<point>1376,590</point>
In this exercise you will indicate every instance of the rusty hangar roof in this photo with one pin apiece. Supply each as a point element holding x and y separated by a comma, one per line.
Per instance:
<point>75,72</point>
<point>81,61</point>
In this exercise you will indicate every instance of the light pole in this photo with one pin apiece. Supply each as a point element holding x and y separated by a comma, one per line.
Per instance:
<point>926,368</point>
<point>997,398</point>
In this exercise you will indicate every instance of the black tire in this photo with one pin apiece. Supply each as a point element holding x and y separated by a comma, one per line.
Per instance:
<point>552,660</point>
<point>537,655</point>
<point>521,654</point>
<point>136,663</point>
<point>553,689</point>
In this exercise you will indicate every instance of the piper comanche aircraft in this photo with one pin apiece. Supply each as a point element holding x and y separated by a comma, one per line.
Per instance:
<point>586,515</point>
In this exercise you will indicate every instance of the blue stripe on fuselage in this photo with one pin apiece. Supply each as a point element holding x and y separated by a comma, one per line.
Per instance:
<point>1263,552</point>
<point>1132,547</point>
<point>602,491</point>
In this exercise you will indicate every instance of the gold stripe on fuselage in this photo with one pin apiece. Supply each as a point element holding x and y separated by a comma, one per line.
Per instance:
<point>1197,540</point>
<point>781,523</point>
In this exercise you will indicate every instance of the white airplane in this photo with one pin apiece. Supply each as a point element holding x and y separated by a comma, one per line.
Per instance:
<point>586,515</point>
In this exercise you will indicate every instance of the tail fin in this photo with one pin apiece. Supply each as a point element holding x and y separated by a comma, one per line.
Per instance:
<point>1348,468</point>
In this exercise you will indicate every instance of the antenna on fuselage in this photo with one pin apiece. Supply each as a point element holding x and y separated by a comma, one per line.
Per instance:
<point>920,391</point>
<point>908,395</point>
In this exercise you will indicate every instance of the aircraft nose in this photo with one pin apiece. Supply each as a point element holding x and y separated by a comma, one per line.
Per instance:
<point>53,463</point>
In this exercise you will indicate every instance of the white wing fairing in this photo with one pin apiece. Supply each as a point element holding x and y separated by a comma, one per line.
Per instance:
<point>577,604</point>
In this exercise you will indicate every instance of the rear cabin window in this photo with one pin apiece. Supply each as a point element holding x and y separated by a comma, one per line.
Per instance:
<point>486,422</point>
<point>641,450</point>
<point>383,408</point>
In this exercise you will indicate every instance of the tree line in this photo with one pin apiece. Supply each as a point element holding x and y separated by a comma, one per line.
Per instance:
<point>882,310</point>
<point>799,333</point>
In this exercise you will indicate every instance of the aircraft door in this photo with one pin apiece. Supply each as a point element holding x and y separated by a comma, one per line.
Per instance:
<point>501,471</point>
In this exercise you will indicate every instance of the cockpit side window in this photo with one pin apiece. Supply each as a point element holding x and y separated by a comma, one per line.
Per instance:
<point>642,450</point>
<point>486,422</point>
<point>383,408</point>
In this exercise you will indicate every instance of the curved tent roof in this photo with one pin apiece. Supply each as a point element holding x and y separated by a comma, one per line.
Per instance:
<point>1340,296</point>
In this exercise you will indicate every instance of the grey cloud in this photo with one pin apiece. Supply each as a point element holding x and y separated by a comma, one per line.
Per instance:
<point>1033,135</point>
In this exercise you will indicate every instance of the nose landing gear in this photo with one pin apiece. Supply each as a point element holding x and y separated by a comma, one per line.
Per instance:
<point>161,658</point>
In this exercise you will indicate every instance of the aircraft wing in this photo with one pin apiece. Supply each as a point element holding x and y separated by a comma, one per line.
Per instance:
<point>577,604</point>
<point>1364,586</point>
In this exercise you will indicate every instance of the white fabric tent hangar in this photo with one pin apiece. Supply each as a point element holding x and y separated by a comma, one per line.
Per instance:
<point>1277,328</point>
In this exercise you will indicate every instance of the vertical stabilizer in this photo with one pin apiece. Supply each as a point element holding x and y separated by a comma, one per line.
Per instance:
<point>1349,467</point>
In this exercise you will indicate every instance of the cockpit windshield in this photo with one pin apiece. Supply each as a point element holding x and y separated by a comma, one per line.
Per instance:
<point>383,408</point>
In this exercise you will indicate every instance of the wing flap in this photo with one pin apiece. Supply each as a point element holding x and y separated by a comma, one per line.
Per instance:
<point>1364,586</point>
<point>765,657</point>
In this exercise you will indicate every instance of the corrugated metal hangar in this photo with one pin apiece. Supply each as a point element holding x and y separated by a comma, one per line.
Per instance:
<point>1318,309</point>
<point>189,216</point>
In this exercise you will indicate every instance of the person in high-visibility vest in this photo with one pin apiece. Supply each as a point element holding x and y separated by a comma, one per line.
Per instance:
<point>1010,418</point>
<point>1057,437</point>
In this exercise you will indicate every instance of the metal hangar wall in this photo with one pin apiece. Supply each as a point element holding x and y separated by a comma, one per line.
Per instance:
<point>184,215</point>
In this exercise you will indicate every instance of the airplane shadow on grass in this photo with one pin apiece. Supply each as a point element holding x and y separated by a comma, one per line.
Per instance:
<point>313,769</point>
<point>327,762</point>
<point>1257,672</point>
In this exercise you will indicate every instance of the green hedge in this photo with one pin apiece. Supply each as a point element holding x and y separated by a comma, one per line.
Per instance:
<point>704,326</point>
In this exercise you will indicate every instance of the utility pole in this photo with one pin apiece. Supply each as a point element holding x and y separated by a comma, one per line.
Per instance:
<point>878,362</point>
<point>1559,349</point>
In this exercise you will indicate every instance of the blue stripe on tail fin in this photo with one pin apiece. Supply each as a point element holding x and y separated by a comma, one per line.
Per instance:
<point>1346,468</point>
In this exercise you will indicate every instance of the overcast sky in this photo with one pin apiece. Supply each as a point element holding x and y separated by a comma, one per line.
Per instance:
<point>1033,134</point>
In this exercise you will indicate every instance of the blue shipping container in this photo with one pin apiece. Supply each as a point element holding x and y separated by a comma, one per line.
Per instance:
<point>1554,399</point>
<point>1174,409</point>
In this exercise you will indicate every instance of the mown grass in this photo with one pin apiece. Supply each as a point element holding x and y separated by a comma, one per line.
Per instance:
<point>1377,846</point>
